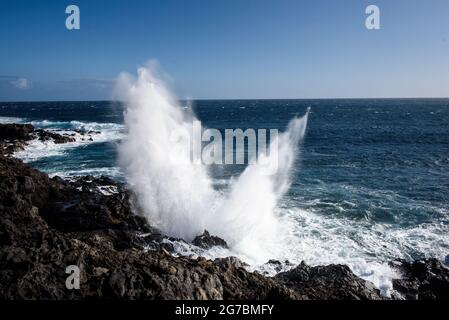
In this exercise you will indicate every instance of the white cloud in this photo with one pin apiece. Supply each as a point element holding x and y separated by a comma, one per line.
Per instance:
<point>21,83</point>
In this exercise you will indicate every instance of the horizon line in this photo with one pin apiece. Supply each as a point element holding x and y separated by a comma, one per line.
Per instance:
<point>232,99</point>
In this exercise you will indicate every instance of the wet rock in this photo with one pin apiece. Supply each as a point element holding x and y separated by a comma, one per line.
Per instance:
<point>275,266</point>
<point>239,284</point>
<point>15,137</point>
<point>159,242</point>
<point>422,280</point>
<point>332,282</point>
<point>94,184</point>
<point>8,148</point>
<point>44,135</point>
<point>82,206</point>
<point>274,262</point>
<point>207,241</point>
<point>16,131</point>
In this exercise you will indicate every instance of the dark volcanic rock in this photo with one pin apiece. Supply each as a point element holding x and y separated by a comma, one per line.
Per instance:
<point>12,131</point>
<point>9,148</point>
<point>328,282</point>
<point>155,240</point>
<point>206,241</point>
<point>40,236</point>
<point>239,284</point>
<point>276,266</point>
<point>83,206</point>
<point>422,279</point>
<point>14,137</point>
<point>44,135</point>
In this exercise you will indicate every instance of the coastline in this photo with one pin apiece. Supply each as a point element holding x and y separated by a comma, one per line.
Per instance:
<point>48,224</point>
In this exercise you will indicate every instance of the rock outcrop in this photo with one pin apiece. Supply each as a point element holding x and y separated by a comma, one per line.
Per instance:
<point>333,282</point>
<point>207,241</point>
<point>422,280</point>
<point>12,131</point>
<point>14,137</point>
<point>44,135</point>
<point>48,224</point>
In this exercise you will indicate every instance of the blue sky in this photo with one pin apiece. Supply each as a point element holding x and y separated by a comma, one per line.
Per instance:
<point>227,49</point>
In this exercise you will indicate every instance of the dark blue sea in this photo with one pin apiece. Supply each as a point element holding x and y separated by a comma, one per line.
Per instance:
<point>371,183</point>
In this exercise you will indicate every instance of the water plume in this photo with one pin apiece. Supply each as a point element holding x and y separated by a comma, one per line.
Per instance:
<point>179,198</point>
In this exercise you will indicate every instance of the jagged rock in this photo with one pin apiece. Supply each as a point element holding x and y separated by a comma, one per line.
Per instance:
<point>44,135</point>
<point>240,284</point>
<point>328,282</point>
<point>82,206</point>
<point>422,279</point>
<point>14,137</point>
<point>231,261</point>
<point>12,131</point>
<point>40,237</point>
<point>207,241</point>
<point>160,242</point>
<point>276,266</point>
<point>8,148</point>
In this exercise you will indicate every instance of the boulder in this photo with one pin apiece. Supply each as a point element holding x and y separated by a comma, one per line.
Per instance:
<point>207,241</point>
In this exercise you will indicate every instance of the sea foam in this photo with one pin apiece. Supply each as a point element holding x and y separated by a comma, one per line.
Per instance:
<point>84,133</point>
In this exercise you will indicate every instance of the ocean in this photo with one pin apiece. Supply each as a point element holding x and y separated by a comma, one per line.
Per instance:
<point>370,183</point>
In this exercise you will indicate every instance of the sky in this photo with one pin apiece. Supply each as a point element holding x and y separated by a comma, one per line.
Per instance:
<point>226,49</point>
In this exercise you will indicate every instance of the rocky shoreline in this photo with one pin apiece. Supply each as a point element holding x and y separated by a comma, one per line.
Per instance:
<point>47,224</point>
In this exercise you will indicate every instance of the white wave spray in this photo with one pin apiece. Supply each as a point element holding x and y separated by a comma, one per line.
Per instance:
<point>179,198</point>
